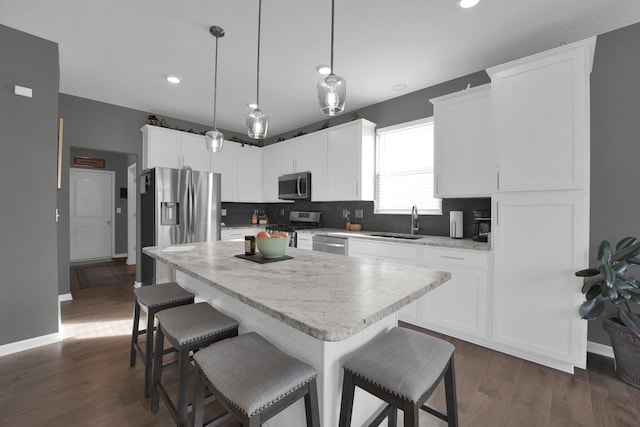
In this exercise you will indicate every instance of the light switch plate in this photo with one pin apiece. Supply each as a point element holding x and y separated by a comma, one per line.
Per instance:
<point>224,212</point>
<point>359,213</point>
<point>24,91</point>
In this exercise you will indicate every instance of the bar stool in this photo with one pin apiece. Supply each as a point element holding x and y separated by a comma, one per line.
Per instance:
<point>253,380</point>
<point>187,328</point>
<point>401,367</point>
<point>152,299</point>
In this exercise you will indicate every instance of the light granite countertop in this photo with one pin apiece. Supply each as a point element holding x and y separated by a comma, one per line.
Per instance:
<point>329,297</point>
<point>440,241</point>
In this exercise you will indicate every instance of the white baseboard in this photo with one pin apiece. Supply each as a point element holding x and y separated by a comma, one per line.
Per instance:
<point>19,346</point>
<point>65,297</point>
<point>600,349</point>
<point>124,255</point>
<point>137,284</point>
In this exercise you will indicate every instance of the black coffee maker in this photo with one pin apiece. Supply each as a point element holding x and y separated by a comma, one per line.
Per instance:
<point>481,225</point>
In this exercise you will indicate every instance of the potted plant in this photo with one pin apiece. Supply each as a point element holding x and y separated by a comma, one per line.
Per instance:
<point>611,281</point>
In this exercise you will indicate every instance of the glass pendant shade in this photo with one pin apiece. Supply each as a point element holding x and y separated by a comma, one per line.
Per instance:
<point>213,140</point>
<point>257,124</point>
<point>332,93</point>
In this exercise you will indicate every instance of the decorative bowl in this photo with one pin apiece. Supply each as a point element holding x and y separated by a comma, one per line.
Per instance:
<point>272,247</point>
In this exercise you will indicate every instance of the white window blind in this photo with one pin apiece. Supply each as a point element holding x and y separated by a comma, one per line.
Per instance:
<point>404,168</point>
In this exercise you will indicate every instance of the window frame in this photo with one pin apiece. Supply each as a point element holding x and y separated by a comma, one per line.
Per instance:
<point>407,210</point>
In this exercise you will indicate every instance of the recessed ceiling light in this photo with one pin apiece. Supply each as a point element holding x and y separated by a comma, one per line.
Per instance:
<point>398,87</point>
<point>467,3</point>
<point>173,79</point>
<point>323,69</point>
<point>252,105</point>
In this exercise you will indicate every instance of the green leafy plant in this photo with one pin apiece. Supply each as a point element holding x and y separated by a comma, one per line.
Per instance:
<point>610,281</point>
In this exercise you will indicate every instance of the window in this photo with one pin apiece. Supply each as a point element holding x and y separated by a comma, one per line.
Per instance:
<point>404,169</point>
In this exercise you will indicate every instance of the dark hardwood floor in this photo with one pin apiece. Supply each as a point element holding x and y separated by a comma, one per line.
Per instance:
<point>86,380</point>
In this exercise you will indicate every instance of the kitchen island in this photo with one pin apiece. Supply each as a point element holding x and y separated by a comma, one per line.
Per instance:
<point>317,307</point>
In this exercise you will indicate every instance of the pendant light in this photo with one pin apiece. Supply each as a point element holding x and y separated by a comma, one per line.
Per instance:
<point>332,89</point>
<point>213,139</point>
<point>257,121</point>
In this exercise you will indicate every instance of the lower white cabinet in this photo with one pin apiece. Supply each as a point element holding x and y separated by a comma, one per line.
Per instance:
<point>238,233</point>
<point>304,241</point>
<point>389,252</point>
<point>459,307</point>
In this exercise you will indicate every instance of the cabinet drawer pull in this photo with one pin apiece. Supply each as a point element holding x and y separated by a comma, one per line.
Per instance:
<point>452,257</point>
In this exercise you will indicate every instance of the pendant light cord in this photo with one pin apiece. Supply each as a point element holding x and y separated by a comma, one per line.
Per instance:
<point>258,62</point>
<point>215,86</point>
<point>333,6</point>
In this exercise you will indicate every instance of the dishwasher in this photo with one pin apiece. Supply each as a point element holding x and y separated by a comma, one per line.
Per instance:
<point>330,244</point>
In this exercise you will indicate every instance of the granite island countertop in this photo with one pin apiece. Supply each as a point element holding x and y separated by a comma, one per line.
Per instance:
<point>329,297</point>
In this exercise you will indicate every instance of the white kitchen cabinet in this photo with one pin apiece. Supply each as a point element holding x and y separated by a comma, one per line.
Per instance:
<point>318,166</point>
<point>540,215</point>
<point>304,241</point>
<point>248,174</point>
<point>539,241</point>
<point>463,144</point>
<point>541,119</point>
<point>241,170</point>
<point>296,154</point>
<point>271,170</point>
<point>238,233</point>
<point>168,148</point>
<point>350,161</point>
<point>398,253</point>
<point>459,307</point>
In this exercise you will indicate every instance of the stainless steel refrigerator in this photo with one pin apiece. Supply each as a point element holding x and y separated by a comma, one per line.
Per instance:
<point>176,206</point>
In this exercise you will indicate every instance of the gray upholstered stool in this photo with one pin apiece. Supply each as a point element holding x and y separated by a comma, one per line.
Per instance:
<point>401,367</point>
<point>187,328</point>
<point>253,380</point>
<point>152,299</point>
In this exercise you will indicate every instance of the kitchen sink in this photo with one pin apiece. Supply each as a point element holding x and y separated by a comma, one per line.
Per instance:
<point>398,236</point>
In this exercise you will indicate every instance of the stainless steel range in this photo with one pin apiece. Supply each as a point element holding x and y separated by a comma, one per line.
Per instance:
<point>298,220</point>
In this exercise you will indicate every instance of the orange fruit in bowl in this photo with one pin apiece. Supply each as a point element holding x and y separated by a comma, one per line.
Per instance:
<point>262,234</point>
<point>282,234</point>
<point>276,236</point>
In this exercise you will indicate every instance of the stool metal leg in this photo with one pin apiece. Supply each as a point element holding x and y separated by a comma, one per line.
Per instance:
<point>197,415</point>
<point>157,371</point>
<point>393,417</point>
<point>450,391</point>
<point>346,406</point>
<point>311,405</point>
<point>134,332</point>
<point>148,353</point>
<point>182,407</point>
<point>411,414</point>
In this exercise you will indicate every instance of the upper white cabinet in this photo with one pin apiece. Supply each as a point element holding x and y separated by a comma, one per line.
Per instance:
<point>271,170</point>
<point>168,148</point>
<point>296,155</point>
<point>241,170</point>
<point>350,161</point>
<point>463,143</point>
<point>541,119</point>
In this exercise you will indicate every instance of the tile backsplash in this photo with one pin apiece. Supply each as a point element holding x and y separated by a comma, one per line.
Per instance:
<point>332,215</point>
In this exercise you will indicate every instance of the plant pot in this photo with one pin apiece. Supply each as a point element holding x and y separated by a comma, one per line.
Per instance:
<point>626,349</point>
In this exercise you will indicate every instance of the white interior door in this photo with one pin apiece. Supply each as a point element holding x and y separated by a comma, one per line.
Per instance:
<point>131,213</point>
<point>91,214</point>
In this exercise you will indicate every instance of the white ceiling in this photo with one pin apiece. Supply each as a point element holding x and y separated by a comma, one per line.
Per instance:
<point>119,51</point>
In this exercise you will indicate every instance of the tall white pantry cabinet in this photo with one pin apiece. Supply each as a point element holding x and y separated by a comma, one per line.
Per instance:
<point>540,220</point>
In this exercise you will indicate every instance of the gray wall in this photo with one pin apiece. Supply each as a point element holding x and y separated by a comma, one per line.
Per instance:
<point>95,125</point>
<point>118,163</point>
<point>29,133</point>
<point>615,144</point>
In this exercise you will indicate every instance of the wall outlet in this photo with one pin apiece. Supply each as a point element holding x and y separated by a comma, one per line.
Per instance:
<point>118,210</point>
<point>223,212</point>
<point>359,213</point>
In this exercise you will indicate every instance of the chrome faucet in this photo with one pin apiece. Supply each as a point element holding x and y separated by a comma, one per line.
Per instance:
<point>415,226</point>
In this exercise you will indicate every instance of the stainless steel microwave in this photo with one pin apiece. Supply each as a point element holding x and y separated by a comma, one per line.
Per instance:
<point>295,186</point>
